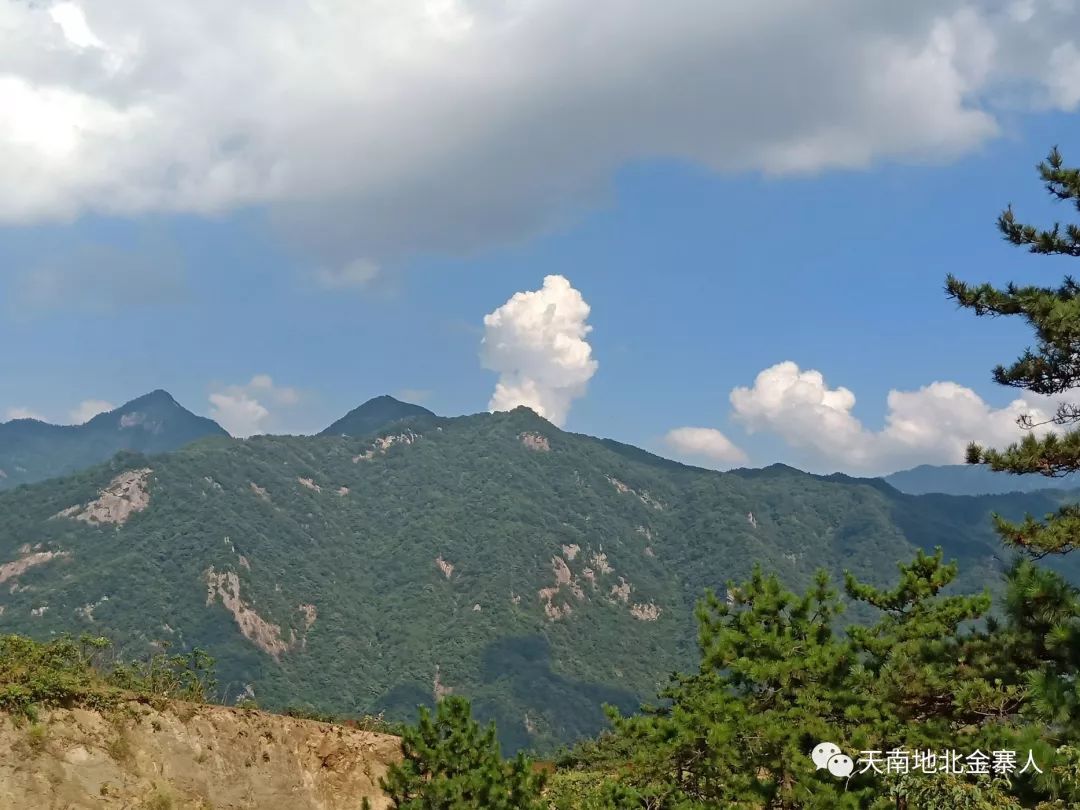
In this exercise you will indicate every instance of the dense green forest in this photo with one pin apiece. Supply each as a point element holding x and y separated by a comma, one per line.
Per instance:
<point>542,574</point>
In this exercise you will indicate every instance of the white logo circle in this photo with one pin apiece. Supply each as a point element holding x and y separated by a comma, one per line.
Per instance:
<point>822,752</point>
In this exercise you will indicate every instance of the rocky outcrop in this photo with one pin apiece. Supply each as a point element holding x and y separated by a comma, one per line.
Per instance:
<point>384,443</point>
<point>536,442</point>
<point>15,568</point>
<point>261,632</point>
<point>187,756</point>
<point>125,495</point>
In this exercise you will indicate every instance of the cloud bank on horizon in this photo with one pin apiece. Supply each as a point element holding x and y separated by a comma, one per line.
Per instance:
<point>126,107</point>
<point>932,425</point>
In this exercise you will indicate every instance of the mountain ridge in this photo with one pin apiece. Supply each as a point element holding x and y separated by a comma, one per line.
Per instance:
<point>539,572</point>
<point>968,479</point>
<point>32,450</point>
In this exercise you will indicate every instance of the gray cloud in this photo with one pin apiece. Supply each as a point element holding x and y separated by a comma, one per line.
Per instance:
<point>374,128</point>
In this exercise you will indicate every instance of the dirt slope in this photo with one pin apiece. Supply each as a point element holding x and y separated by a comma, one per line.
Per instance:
<point>186,757</point>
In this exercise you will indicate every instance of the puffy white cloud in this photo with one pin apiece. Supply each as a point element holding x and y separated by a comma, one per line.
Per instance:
<point>22,413</point>
<point>930,425</point>
<point>536,342</point>
<point>381,124</point>
<point>88,409</point>
<point>707,443</point>
<point>240,409</point>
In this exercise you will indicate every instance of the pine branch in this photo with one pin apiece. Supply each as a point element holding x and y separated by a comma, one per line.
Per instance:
<point>1052,455</point>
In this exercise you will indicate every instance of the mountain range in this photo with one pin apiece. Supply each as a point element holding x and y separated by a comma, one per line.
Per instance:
<point>966,479</point>
<point>540,572</point>
<point>31,450</point>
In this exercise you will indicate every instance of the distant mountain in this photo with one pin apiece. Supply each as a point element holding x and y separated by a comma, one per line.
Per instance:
<point>969,479</point>
<point>32,451</point>
<point>376,414</point>
<point>538,572</point>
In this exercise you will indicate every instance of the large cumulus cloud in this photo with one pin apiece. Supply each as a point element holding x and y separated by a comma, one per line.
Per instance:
<point>371,127</point>
<point>932,424</point>
<point>537,343</point>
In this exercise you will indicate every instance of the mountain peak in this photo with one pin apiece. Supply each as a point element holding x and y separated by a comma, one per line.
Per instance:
<point>153,423</point>
<point>374,415</point>
<point>157,397</point>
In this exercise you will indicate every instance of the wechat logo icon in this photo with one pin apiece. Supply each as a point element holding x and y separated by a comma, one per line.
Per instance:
<point>828,755</point>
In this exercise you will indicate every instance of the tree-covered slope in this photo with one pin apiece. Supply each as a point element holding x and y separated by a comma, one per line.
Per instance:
<point>538,572</point>
<point>155,423</point>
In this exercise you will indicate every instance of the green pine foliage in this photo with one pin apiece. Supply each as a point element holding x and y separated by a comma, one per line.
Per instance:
<point>1051,368</point>
<point>776,678</point>
<point>451,763</point>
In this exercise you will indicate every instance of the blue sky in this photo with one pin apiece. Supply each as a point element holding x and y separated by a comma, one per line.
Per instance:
<point>698,277</point>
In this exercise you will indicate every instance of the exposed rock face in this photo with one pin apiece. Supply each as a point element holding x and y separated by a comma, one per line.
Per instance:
<point>264,634</point>
<point>17,567</point>
<point>600,562</point>
<point>125,495</point>
<point>384,443</point>
<point>537,442</point>
<point>190,757</point>
<point>564,578</point>
<point>621,591</point>
<point>444,566</point>
<point>647,612</point>
<point>644,497</point>
<point>310,615</point>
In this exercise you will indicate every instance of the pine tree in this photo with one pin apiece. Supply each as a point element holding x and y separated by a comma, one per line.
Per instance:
<point>451,763</point>
<point>774,681</point>
<point>1052,368</point>
<point>933,672</point>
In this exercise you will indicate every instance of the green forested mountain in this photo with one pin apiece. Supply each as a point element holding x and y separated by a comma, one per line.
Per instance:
<point>968,479</point>
<point>375,414</point>
<point>33,451</point>
<point>538,572</point>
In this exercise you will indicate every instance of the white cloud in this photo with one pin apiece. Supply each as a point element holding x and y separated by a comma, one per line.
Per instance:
<point>705,442</point>
<point>22,413</point>
<point>88,409</point>
<point>380,125</point>
<point>536,342</point>
<point>73,25</point>
<point>357,274</point>
<point>241,409</point>
<point>930,425</point>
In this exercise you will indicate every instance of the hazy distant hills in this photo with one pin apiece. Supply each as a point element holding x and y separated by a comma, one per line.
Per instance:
<point>32,451</point>
<point>539,572</point>
<point>964,479</point>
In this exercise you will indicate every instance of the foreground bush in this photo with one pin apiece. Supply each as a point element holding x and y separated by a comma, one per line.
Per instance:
<point>69,672</point>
